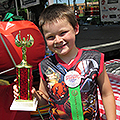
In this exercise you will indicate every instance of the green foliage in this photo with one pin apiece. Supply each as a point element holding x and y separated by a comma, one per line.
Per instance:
<point>11,17</point>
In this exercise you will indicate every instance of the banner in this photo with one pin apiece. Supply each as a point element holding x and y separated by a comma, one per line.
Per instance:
<point>29,3</point>
<point>110,10</point>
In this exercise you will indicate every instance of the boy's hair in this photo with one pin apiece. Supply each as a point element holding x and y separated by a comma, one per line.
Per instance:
<point>57,11</point>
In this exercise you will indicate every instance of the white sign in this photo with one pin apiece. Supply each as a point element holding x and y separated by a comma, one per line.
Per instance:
<point>29,3</point>
<point>110,10</point>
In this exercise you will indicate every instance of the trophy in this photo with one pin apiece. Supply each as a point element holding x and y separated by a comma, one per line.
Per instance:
<point>25,101</point>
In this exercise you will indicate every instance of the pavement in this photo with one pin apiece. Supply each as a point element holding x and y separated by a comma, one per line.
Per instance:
<point>103,38</point>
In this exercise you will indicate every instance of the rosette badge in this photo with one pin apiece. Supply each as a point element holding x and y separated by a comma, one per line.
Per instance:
<point>72,80</point>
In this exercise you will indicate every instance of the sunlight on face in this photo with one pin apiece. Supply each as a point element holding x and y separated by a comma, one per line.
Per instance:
<point>60,36</point>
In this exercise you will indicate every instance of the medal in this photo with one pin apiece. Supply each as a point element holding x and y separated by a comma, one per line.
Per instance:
<point>72,80</point>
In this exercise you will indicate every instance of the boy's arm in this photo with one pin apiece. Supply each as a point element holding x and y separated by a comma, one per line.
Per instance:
<point>107,95</point>
<point>42,94</point>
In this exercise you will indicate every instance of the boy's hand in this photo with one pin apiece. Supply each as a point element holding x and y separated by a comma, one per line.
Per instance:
<point>34,93</point>
<point>16,94</point>
<point>15,91</point>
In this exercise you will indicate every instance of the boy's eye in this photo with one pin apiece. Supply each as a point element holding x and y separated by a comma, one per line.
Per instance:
<point>63,33</point>
<point>50,38</point>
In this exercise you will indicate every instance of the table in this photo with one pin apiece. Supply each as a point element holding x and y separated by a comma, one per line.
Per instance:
<point>115,83</point>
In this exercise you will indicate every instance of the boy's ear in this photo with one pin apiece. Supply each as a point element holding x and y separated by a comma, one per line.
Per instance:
<point>77,29</point>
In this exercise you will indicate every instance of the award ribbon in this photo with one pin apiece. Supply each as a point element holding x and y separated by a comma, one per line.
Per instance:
<point>72,80</point>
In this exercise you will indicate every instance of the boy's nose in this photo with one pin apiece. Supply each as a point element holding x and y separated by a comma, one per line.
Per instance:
<point>58,39</point>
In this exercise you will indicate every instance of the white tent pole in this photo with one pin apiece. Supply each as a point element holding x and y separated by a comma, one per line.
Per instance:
<point>7,50</point>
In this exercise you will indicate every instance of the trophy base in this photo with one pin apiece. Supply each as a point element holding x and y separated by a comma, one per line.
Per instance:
<point>24,105</point>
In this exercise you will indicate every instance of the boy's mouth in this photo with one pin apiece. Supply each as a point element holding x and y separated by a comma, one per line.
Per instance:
<point>60,46</point>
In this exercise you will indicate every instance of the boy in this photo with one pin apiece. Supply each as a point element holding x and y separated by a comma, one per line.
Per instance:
<point>59,27</point>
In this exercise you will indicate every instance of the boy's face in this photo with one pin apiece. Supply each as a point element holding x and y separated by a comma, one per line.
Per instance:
<point>60,36</point>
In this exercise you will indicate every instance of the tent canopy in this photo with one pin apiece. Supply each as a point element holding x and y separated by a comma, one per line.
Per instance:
<point>35,53</point>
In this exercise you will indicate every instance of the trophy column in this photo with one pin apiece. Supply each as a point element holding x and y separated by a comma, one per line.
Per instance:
<point>24,77</point>
<point>25,101</point>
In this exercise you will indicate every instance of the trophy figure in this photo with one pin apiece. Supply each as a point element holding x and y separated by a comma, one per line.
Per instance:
<point>25,101</point>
